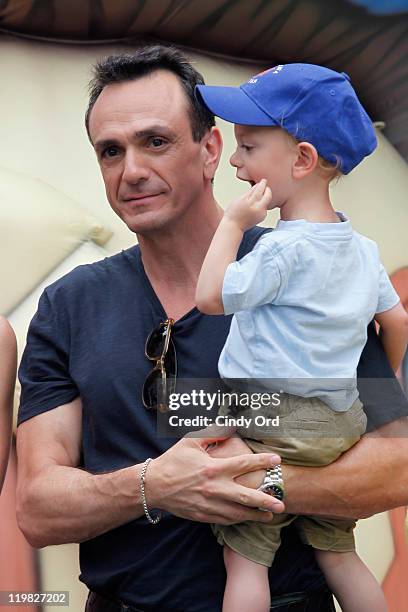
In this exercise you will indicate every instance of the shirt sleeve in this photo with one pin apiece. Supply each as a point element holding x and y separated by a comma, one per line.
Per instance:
<point>387,296</point>
<point>252,281</point>
<point>380,392</point>
<point>44,370</point>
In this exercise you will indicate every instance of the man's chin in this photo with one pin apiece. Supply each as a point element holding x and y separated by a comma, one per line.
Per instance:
<point>138,219</point>
<point>144,223</point>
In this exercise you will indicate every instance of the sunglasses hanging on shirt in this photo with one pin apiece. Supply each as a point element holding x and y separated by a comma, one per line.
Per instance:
<point>161,381</point>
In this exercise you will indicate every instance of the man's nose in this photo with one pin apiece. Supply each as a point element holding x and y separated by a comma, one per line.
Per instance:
<point>135,167</point>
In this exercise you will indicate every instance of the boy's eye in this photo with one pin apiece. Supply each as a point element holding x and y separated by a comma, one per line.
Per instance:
<point>246,147</point>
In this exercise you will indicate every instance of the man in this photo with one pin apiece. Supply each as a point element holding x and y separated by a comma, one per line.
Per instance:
<point>85,436</point>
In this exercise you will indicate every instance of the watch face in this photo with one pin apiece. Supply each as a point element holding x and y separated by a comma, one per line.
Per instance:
<point>277,491</point>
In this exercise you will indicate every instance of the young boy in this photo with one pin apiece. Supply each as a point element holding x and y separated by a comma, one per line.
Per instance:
<point>302,300</point>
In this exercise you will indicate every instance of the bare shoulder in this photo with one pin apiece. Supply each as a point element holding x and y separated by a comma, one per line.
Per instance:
<point>7,335</point>
<point>8,350</point>
<point>8,366</point>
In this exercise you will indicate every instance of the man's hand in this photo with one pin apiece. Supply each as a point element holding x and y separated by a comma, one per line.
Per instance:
<point>233,447</point>
<point>251,208</point>
<point>189,482</point>
<point>58,502</point>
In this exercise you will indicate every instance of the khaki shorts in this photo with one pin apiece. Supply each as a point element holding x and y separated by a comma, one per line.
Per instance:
<point>309,434</point>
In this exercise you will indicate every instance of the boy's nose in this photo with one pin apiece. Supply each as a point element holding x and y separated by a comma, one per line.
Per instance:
<point>234,159</point>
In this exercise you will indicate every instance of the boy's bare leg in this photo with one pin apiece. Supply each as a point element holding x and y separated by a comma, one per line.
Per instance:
<point>351,581</point>
<point>247,588</point>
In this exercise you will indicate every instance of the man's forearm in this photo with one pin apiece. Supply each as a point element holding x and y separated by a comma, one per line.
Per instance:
<point>369,478</point>
<point>66,504</point>
<point>62,504</point>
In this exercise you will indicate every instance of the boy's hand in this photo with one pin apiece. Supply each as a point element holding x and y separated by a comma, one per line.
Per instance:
<point>251,208</point>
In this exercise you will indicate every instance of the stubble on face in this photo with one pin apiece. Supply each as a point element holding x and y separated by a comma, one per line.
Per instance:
<point>152,168</point>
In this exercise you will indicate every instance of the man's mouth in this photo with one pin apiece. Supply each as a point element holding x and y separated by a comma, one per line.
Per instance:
<point>140,197</point>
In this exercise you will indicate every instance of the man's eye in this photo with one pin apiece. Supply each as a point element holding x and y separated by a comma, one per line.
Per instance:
<point>110,152</point>
<point>156,142</point>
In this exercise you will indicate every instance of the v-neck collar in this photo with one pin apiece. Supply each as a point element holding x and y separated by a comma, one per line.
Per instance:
<point>135,255</point>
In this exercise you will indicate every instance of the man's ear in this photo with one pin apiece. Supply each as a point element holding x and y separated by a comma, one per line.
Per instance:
<point>306,160</point>
<point>212,148</point>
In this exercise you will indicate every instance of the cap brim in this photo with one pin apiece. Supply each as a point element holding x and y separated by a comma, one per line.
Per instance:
<point>232,104</point>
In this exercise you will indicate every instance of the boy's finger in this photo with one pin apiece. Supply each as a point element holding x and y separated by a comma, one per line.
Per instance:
<point>266,198</point>
<point>257,190</point>
<point>268,194</point>
<point>261,186</point>
<point>262,204</point>
<point>250,195</point>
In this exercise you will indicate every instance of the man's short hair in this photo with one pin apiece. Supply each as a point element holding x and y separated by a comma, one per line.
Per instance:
<point>143,61</point>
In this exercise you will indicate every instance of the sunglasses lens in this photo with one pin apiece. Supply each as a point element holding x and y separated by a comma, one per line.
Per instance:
<point>156,388</point>
<point>155,342</point>
<point>150,389</point>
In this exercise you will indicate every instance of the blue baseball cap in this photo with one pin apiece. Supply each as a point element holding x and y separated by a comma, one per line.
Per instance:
<point>312,103</point>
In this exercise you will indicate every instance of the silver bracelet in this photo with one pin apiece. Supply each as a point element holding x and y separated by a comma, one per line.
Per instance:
<point>152,520</point>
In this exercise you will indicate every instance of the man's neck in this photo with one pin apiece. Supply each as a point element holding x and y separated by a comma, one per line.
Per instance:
<point>172,258</point>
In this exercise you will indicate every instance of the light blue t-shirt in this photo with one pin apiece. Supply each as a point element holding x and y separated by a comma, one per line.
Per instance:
<point>302,300</point>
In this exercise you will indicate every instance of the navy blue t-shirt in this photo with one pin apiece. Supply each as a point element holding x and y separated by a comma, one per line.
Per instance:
<point>87,338</point>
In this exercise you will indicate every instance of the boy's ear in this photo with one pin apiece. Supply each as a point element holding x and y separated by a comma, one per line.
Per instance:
<point>212,148</point>
<point>306,160</point>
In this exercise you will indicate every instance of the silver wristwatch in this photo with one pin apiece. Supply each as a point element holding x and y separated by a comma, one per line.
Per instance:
<point>273,482</point>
